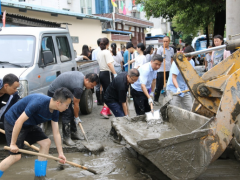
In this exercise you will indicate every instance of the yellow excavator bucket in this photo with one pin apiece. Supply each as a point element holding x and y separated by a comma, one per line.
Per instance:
<point>182,144</point>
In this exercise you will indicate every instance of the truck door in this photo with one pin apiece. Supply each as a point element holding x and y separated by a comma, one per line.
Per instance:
<point>51,69</point>
<point>65,56</point>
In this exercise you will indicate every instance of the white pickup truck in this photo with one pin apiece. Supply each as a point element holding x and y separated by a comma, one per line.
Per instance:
<point>37,56</point>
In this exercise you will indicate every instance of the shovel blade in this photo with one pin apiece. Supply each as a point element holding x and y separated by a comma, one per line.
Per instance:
<point>167,98</point>
<point>153,115</point>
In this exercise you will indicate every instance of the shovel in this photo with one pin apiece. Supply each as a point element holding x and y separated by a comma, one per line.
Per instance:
<point>169,96</point>
<point>153,115</point>
<point>92,146</point>
<point>60,167</point>
<point>163,91</point>
<point>52,157</point>
<point>25,142</point>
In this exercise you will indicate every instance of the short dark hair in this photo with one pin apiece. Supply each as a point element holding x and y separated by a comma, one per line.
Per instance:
<point>218,36</point>
<point>141,46</point>
<point>129,45</point>
<point>98,41</point>
<point>92,77</point>
<point>62,94</point>
<point>157,57</point>
<point>188,49</point>
<point>10,79</point>
<point>167,37</point>
<point>134,72</point>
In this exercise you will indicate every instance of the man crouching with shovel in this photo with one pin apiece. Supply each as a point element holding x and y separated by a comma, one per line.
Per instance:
<point>116,93</point>
<point>147,79</point>
<point>21,122</point>
<point>75,81</point>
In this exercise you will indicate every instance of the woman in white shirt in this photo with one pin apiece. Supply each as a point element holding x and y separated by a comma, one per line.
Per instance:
<point>140,59</point>
<point>107,71</point>
<point>117,56</point>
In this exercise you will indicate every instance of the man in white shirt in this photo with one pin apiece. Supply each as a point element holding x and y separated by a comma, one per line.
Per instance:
<point>169,52</point>
<point>99,95</point>
<point>95,51</point>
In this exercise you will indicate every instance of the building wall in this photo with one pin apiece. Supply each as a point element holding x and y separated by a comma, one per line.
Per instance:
<point>58,4</point>
<point>161,25</point>
<point>88,30</point>
<point>72,5</point>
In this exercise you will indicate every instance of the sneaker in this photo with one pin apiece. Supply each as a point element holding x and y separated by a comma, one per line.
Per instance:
<point>204,70</point>
<point>104,112</point>
<point>109,112</point>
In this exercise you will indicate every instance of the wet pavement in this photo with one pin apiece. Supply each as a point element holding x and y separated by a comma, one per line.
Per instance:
<point>117,161</point>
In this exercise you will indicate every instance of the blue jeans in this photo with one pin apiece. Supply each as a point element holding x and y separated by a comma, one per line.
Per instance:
<point>116,109</point>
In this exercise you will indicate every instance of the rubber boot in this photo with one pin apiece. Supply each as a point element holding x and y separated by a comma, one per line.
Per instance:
<point>67,135</point>
<point>76,136</point>
<point>109,112</point>
<point>40,168</point>
<point>104,112</point>
<point>1,173</point>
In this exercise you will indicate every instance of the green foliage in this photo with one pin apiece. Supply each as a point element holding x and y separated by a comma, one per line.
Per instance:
<point>187,16</point>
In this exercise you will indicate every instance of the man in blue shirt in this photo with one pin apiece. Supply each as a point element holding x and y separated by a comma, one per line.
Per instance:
<point>125,55</point>
<point>21,122</point>
<point>177,84</point>
<point>147,79</point>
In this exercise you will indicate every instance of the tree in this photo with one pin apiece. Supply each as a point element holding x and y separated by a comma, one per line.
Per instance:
<point>189,13</point>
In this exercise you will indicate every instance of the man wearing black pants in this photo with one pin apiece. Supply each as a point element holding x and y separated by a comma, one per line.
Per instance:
<point>75,81</point>
<point>169,52</point>
<point>116,93</point>
<point>147,79</point>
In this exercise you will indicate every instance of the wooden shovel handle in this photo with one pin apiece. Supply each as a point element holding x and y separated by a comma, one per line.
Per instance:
<point>80,125</point>
<point>164,67</point>
<point>25,142</point>
<point>181,92</point>
<point>52,157</point>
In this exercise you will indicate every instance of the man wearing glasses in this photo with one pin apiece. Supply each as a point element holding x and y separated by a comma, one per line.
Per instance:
<point>75,81</point>
<point>116,93</point>
<point>169,52</point>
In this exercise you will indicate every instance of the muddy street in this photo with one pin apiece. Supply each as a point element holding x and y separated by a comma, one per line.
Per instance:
<point>117,161</point>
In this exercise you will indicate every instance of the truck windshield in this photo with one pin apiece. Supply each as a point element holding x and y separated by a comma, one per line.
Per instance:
<point>17,50</point>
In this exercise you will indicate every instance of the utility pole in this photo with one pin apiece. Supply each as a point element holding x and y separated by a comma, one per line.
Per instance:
<point>113,17</point>
<point>232,18</point>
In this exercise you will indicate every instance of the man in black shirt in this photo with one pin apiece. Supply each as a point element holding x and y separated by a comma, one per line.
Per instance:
<point>8,94</point>
<point>116,93</point>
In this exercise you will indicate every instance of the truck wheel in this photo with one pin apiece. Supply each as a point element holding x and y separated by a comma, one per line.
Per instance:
<point>86,102</point>
<point>236,140</point>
